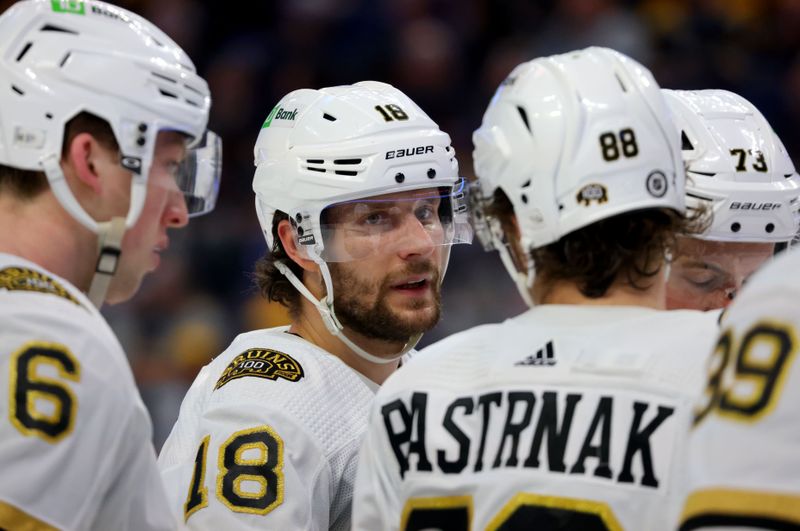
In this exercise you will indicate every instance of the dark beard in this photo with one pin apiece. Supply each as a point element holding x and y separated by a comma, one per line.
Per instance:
<point>376,320</point>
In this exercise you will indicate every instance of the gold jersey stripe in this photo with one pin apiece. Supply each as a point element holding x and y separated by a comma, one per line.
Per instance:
<point>24,279</point>
<point>18,520</point>
<point>742,503</point>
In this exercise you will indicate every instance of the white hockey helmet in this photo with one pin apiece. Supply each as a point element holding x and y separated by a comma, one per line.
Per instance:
<point>572,139</point>
<point>319,148</point>
<point>61,58</point>
<point>737,165</point>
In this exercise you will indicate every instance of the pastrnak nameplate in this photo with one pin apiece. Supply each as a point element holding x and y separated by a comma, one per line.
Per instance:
<point>262,363</point>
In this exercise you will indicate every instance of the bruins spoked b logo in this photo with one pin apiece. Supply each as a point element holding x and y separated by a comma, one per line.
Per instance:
<point>262,363</point>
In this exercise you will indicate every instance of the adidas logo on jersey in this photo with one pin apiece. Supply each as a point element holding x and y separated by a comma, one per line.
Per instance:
<point>545,356</point>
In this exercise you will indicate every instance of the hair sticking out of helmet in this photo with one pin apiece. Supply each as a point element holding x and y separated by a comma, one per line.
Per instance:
<point>346,149</point>
<point>737,166</point>
<point>573,139</point>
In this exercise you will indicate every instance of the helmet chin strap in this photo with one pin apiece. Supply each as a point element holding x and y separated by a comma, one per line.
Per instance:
<point>325,308</point>
<point>109,242</point>
<point>523,281</point>
<point>109,233</point>
<point>667,266</point>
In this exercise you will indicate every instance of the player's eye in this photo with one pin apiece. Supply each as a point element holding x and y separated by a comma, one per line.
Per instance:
<point>425,213</point>
<point>704,279</point>
<point>374,218</point>
<point>173,168</point>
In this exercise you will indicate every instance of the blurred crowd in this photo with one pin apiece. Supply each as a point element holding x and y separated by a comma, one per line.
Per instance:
<point>447,55</point>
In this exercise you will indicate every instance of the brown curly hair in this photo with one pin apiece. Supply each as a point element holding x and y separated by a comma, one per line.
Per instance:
<point>633,244</point>
<point>270,281</point>
<point>27,184</point>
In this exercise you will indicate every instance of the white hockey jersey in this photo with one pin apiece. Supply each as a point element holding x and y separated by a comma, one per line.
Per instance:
<point>267,438</point>
<point>565,417</point>
<point>743,464</point>
<point>75,439</point>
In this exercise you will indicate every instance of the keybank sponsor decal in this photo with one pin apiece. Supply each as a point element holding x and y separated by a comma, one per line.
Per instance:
<point>279,113</point>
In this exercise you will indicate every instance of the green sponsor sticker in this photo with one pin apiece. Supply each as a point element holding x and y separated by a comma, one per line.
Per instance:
<point>279,113</point>
<point>271,115</point>
<point>68,6</point>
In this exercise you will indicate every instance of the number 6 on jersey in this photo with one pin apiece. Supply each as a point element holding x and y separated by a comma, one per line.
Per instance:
<point>250,475</point>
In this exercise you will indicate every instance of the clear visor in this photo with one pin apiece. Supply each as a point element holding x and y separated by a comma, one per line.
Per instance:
<point>707,275</point>
<point>488,230</point>
<point>199,174</point>
<point>416,221</point>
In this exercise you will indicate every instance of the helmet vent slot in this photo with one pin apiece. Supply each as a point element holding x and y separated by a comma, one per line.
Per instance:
<point>163,77</point>
<point>65,59</point>
<point>349,167</point>
<point>686,144</point>
<point>167,93</point>
<point>524,116</point>
<point>24,51</point>
<point>621,84</point>
<point>698,196</point>
<point>196,91</point>
<point>50,27</point>
<point>788,176</point>
<point>18,90</point>
<point>193,103</point>
<point>703,173</point>
<point>526,183</point>
<point>329,117</point>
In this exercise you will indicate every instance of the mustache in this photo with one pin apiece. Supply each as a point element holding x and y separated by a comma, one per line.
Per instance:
<point>415,268</point>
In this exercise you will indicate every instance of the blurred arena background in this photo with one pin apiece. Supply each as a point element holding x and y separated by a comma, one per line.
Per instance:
<point>448,55</point>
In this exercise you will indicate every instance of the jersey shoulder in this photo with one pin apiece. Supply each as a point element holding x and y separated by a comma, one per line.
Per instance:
<point>46,317</point>
<point>291,382</point>
<point>554,342</point>
<point>450,359</point>
<point>772,291</point>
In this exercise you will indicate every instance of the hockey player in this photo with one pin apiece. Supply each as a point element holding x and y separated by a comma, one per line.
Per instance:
<point>737,167</point>
<point>571,415</point>
<point>743,466</point>
<point>357,194</point>
<point>97,107</point>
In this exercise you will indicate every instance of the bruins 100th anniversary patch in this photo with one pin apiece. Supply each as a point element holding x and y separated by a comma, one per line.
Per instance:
<point>262,363</point>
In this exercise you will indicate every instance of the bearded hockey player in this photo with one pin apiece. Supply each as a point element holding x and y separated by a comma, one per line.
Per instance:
<point>97,110</point>
<point>572,415</point>
<point>358,195</point>
<point>738,168</point>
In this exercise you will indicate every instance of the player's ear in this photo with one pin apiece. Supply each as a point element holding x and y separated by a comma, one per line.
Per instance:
<point>286,234</point>
<point>88,160</point>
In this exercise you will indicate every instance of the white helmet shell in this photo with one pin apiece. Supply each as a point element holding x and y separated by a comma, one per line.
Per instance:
<point>320,147</point>
<point>575,138</point>
<point>59,59</point>
<point>737,165</point>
